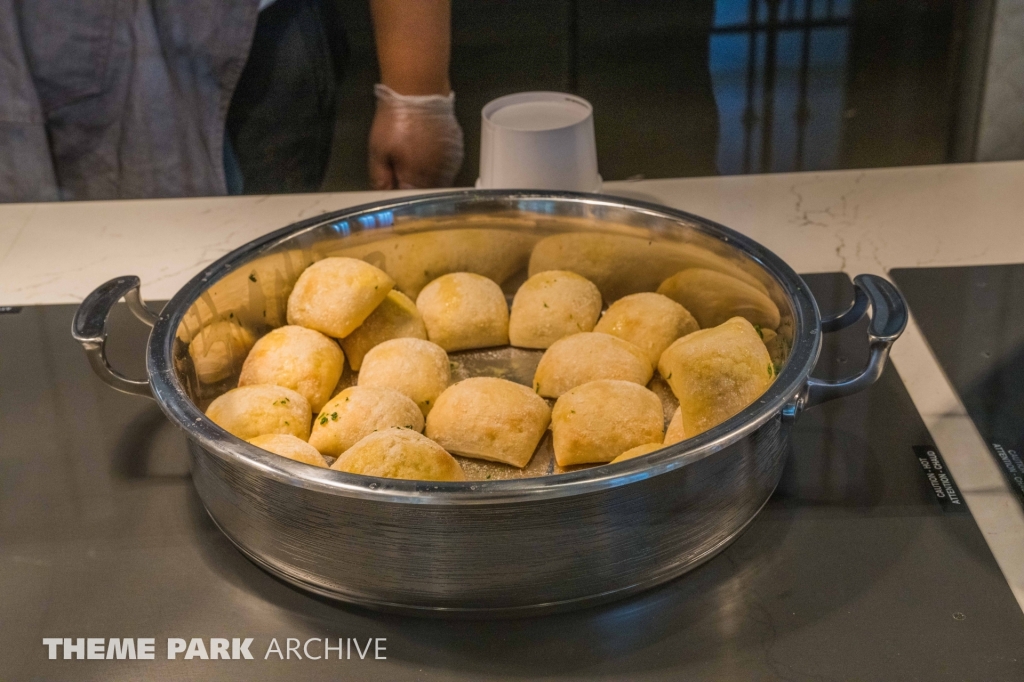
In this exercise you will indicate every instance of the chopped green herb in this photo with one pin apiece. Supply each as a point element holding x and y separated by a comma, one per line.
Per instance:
<point>573,411</point>
<point>252,276</point>
<point>488,475</point>
<point>771,370</point>
<point>286,422</point>
<point>757,328</point>
<point>545,305</point>
<point>346,398</point>
<point>323,420</point>
<point>334,416</point>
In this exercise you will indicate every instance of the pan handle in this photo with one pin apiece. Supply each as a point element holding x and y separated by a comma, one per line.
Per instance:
<point>888,320</point>
<point>90,329</point>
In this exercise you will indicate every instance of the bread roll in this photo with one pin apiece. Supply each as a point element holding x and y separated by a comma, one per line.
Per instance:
<point>713,298</point>
<point>551,305</point>
<point>301,359</point>
<point>647,320</point>
<point>357,412</point>
<point>250,411</point>
<point>335,295</point>
<point>399,453</point>
<point>586,357</point>
<point>464,310</point>
<point>414,367</point>
<point>491,419</point>
<point>395,318</point>
<point>291,447</point>
<point>645,449</point>
<point>675,431</point>
<point>600,420</point>
<point>219,349</point>
<point>716,372</point>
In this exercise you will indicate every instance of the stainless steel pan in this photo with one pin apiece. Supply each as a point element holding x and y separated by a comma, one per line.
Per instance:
<point>546,540</point>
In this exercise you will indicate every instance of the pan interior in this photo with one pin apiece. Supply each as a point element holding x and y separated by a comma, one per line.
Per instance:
<point>624,248</point>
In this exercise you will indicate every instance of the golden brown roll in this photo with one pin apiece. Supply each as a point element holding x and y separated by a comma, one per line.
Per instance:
<point>716,372</point>
<point>551,305</point>
<point>491,419</point>
<point>464,310</point>
<point>335,295</point>
<point>586,357</point>
<point>647,320</point>
<point>600,420</point>
<point>291,447</point>
<point>713,298</point>
<point>675,431</point>
<point>301,359</point>
<point>395,318</point>
<point>414,367</point>
<point>357,412</point>
<point>219,349</point>
<point>399,453</point>
<point>250,411</point>
<point>639,450</point>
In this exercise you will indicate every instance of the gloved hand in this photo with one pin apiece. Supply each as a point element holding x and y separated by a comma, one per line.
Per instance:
<point>415,141</point>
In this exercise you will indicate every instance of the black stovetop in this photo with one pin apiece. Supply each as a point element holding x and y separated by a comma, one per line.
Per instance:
<point>973,319</point>
<point>853,571</point>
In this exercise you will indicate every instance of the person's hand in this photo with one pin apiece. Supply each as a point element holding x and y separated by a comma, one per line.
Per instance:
<point>415,141</point>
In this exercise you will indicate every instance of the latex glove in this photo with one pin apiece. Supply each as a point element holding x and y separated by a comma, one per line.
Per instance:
<point>415,141</point>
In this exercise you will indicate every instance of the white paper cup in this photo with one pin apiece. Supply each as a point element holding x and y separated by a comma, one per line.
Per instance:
<point>538,140</point>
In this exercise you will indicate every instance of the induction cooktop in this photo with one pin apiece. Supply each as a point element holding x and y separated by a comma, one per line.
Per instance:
<point>973,319</point>
<point>865,564</point>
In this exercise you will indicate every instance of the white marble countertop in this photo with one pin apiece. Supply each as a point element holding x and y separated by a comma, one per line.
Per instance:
<point>854,221</point>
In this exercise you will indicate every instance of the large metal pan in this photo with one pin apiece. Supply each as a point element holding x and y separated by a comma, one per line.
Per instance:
<point>548,541</point>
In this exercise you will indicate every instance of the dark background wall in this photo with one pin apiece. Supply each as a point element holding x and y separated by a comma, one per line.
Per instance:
<point>688,87</point>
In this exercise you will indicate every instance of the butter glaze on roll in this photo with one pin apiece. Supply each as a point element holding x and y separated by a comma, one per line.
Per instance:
<point>250,411</point>
<point>551,305</point>
<point>638,451</point>
<point>598,421</point>
<point>649,321</point>
<point>586,357</point>
<point>291,447</point>
<point>400,453</point>
<point>335,295</point>
<point>395,318</point>
<point>715,373</point>
<point>489,418</point>
<point>301,359</point>
<point>414,367</point>
<point>357,412</point>
<point>464,310</point>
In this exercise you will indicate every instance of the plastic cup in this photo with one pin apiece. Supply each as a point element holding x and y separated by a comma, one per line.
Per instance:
<point>539,140</point>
